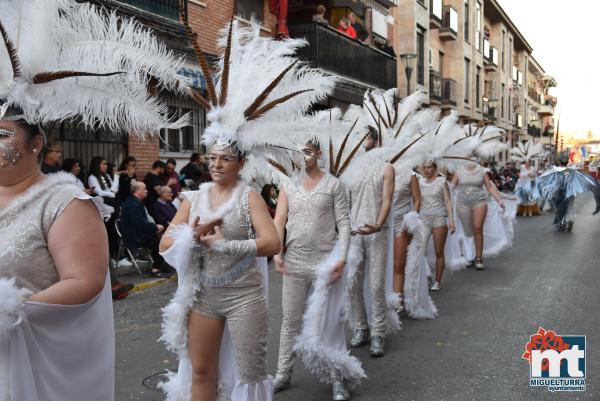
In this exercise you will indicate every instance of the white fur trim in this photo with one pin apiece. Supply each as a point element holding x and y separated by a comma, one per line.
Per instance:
<point>320,358</point>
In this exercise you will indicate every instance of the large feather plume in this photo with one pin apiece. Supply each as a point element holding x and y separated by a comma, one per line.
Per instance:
<point>269,91</point>
<point>69,44</point>
<point>527,151</point>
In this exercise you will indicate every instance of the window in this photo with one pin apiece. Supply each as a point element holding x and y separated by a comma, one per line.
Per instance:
<point>249,8</point>
<point>509,108</point>
<point>467,86</point>
<point>420,57</point>
<point>509,53</point>
<point>467,16</point>
<point>441,64</point>
<point>502,101</point>
<point>503,49</point>
<point>478,88</point>
<point>479,36</point>
<point>186,139</point>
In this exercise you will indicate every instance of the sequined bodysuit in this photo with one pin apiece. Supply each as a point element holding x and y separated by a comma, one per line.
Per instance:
<point>311,236</point>
<point>231,287</point>
<point>402,198</point>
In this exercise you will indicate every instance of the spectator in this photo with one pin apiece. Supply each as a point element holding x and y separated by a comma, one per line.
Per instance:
<point>319,16</point>
<point>101,184</point>
<point>345,28</point>
<point>191,173</point>
<point>269,194</point>
<point>51,163</point>
<point>73,166</point>
<point>163,210</point>
<point>139,229</point>
<point>170,177</point>
<point>361,33</point>
<point>126,178</point>
<point>153,181</point>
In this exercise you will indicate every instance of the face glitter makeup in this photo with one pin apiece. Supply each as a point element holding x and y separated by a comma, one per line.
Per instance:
<point>9,151</point>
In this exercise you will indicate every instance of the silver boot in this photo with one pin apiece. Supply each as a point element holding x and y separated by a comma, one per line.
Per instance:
<point>283,380</point>
<point>377,344</point>
<point>340,392</point>
<point>361,337</point>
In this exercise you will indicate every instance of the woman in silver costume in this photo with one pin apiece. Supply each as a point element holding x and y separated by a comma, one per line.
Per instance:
<point>406,191</point>
<point>310,211</point>
<point>471,182</point>
<point>232,226</point>
<point>436,214</point>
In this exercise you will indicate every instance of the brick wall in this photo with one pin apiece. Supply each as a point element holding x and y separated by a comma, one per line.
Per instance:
<point>145,150</point>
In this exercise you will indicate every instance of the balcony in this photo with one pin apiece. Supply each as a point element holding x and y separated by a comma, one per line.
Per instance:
<point>546,110</point>
<point>435,87</point>
<point>448,92</point>
<point>159,15</point>
<point>490,56</point>
<point>436,13</point>
<point>334,52</point>
<point>449,29</point>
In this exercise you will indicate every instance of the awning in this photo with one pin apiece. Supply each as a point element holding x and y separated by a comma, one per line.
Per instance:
<point>195,77</point>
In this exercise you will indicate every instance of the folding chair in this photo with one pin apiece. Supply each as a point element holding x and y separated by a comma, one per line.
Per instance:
<point>128,252</point>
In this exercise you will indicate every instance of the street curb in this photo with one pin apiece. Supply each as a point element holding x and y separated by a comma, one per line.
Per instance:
<point>150,284</point>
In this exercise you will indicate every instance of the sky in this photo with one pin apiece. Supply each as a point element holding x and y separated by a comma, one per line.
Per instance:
<point>564,36</point>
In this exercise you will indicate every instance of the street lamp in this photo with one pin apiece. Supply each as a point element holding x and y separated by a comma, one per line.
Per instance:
<point>409,60</point>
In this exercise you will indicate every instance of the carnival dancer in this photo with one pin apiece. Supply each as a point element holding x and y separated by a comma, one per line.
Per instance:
<point>471,182</point>
<point>53,244</point>
<point>561,185</point>
<point>437,215</point>
<point>399,125</point>
<point>310,211</point>
<point>217,322</point>
<point>371,203</point>
<point>525,187</point>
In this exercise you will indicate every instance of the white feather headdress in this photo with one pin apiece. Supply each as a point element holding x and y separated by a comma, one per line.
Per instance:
<point>263,91</point>
<point>527,151</point>
<point>62,59</point>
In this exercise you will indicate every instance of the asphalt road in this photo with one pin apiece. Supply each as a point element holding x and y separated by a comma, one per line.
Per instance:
<point>471,352</point>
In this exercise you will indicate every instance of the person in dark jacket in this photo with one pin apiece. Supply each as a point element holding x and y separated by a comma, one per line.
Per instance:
<point>361,32</point>
<point>126,178</point>
<point>163,210</point>
<point>139,229</point>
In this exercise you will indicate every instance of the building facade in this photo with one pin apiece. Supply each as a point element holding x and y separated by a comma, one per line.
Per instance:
<point>469,57</point>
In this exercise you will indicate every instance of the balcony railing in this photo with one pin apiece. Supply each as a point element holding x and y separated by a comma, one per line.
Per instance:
<point>333,51</point>
<point>449,91</point>
<point>436,13</point>
<point>164,8</point>
<point>435,86</point>
<point>449,30</point>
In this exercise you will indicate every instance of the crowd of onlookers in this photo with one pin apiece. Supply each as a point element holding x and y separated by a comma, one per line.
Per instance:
<point>143,208</point>
<point>353,28</point>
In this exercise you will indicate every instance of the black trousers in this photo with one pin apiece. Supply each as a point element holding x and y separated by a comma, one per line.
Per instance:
<point>151,243</point>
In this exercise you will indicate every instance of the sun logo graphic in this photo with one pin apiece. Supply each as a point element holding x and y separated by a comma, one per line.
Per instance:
<point>556,362</point>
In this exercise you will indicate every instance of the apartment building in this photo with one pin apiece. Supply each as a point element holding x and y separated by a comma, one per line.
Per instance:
<point>470,57</point>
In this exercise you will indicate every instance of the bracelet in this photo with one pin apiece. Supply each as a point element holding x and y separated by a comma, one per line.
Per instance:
<point>235,247</point>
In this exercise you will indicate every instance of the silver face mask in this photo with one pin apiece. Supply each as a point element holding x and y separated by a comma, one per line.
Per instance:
<point>9,151</point>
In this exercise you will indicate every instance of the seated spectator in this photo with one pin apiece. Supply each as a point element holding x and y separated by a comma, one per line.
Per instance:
<point>139,229</point>
<point>163,210</point>
<point>192,172</point>
<point>153,181</point>
<point>126,178</point>
<point>170,177</point>
<point>345,28</point>
<point>73,166</point>
<point>51,162</point>
<point>361,32</point>
<point>319,16</point>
